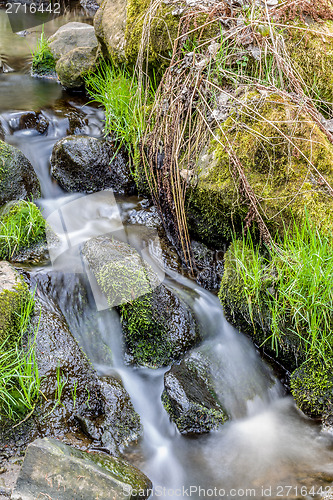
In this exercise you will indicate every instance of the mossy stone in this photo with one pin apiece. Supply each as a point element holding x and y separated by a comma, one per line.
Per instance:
<point>14,294</point>
<point>312,387</point>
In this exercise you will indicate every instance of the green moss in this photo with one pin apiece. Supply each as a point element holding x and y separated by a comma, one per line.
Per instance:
<point>12,303</point>
<point>163,31</point>
<point>145,332</point>
<point>312,387</point>
<point>5,154</point>
<point>278,171</point>
<point>313,56</point>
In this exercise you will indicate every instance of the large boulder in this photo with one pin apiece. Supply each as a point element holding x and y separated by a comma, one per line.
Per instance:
<point>189,396</point>
<point>270,136</point>
<point>75,49</point>
<point>18,179</point>
<point>14,295</point>
<point>52,469</point>
<point>87,164</point>
<point>158,326</point>
<point>101,408</point>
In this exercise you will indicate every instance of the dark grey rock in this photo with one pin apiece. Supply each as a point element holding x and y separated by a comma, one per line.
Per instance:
<point>86,164</point>
<point>101,408</point>
<point>90,5</point>
<point>189,396</point>
<point>158,326</point>
<point>18,179</point>
<point>75,65</point>
<point>54,470</point>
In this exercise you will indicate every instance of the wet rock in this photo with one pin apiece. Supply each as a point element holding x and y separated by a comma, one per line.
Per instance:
<point>55,470</point>
<point>189,396</point>
<point>17,176</point>
<point>101,408</point>
<point>73,66</point>
<point>86,164</point>
<point>208,266</point>
<point>29,120</point>
<point>13,296</point>
<point>312,387</point>
<point>158,326</point>
<point>70,37</point>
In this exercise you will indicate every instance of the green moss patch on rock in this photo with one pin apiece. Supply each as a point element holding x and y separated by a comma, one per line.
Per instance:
<point>278,170</point>
<point>189,396</point>
<point>311,51</point>
<point>14,295</point>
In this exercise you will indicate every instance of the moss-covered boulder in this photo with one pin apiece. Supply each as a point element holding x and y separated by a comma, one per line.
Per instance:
<point>75,65</point>
<point>14,295</point>
<point>158,326</point>
<point>284,157</point>
<point>312,387</point>
<point>18,179</point>
<point>311,50</point>
<point>61,471</point>
<point>189,396</point>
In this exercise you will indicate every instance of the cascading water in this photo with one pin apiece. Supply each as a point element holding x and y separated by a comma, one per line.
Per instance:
<point>267,449</point>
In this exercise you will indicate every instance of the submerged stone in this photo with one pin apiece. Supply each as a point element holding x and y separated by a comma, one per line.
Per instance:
<point>54,470</point>
<point>189,396</point>
<point>18,179</point>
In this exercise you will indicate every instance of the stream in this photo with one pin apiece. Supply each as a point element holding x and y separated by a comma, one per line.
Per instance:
<point>268,449</point>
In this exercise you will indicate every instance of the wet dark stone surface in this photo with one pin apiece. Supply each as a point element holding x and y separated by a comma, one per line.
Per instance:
<point>87,164</point>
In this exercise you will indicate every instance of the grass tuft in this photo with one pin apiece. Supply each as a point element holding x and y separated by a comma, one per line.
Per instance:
<point>19,376</point>
<point>122,98</point>
<point>292,280</point>
<point>42,59</point>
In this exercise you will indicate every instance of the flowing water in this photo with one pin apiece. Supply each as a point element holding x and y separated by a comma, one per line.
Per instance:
<point>267,449</point>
